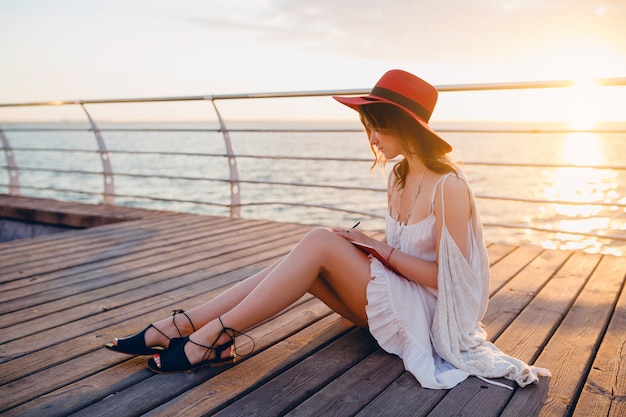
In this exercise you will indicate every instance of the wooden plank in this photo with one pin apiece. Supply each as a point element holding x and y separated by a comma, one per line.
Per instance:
<point>497,251</point>
<point>513,297</point>
<point>156,252</point>
<point>358,387</point>
<point>110,372</point>
<point>405,397</point>
<point>604,393</point>
<point>57,217</point>
<point>570,350</point>
<point>84,336</point>
<point>89,248</point>
<point>74,208</point>
<point>18,248</point>
<point>161,258</point>
<point>535,325</point>
<point>116,253</point>
<point>505,269</point>
<point>473,397</point>
<point>138,284</point>
<point>319,372</point>
<point>12,253</point>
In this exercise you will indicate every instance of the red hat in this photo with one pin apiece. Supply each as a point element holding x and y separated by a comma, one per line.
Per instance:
<point>406,91</point>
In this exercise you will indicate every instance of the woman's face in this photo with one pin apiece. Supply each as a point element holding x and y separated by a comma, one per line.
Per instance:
<point>386,143</point>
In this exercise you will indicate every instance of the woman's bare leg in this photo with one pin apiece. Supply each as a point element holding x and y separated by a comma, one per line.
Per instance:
<point>204,313</point>
<point>322,263</point>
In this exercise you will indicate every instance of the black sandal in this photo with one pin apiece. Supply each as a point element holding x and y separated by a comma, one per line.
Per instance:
<point>175,360</point>
<point>136,344</point>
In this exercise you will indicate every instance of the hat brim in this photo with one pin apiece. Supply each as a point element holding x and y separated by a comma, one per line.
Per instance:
<point>356,102</point>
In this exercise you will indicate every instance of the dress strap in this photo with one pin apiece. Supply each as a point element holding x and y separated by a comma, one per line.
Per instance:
<point>434,192</point>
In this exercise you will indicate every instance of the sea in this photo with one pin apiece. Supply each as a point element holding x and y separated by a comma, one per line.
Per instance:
<point>526,176</point>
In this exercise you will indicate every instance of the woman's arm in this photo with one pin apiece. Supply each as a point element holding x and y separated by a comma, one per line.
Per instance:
<point>457,211</point>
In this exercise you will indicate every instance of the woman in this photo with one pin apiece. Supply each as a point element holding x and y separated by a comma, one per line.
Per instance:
<point>421,296</point>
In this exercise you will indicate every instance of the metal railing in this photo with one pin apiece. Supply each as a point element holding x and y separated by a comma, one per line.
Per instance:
<point>109,193</point>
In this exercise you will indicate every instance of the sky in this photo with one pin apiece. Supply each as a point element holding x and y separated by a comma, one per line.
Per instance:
<point>94,49</point>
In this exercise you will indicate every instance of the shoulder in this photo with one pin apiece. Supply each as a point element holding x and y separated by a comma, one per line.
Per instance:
<point>454,186</point>
<point>456,196</point>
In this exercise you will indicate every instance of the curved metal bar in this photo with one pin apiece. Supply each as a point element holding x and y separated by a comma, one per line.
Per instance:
<point>107,170</point>
<point>12,170</point>
<point>235,190</point>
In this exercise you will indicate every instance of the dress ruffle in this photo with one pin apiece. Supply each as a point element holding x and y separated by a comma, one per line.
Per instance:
<point>399,314</point>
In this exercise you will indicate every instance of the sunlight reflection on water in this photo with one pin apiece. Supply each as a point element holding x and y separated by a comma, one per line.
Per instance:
<point>580,185</point>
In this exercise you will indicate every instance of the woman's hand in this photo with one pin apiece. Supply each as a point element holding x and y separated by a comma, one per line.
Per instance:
<point>355,235</point>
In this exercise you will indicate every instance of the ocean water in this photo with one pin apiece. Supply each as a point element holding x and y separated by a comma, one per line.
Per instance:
<point>527,172</point>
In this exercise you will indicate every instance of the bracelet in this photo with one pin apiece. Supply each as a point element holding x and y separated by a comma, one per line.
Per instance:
<point>389,256</point>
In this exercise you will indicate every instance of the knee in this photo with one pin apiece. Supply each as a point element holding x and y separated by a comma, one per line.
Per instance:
<point>319,237</point>
<point>318,234</point>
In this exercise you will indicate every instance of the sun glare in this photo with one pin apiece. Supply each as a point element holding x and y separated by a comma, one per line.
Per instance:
<point>582,105</point>
<point>581,185</point>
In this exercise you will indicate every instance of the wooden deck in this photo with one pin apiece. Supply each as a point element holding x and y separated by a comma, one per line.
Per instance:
<point>64,295</point>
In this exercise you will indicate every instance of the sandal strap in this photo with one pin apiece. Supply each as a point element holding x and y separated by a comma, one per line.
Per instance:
<point>181,311</point>
<point>159,330</point>
<point>232,333</point>
<point>219,349</point>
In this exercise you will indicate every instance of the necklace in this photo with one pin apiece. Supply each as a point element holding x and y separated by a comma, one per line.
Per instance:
<point>419,189</point>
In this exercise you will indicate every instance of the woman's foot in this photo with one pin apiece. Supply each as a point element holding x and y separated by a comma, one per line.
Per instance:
<point>189,354</point>
<point>155,338</point>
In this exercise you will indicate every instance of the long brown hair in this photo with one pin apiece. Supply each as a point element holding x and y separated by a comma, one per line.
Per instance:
<point>414,139</point>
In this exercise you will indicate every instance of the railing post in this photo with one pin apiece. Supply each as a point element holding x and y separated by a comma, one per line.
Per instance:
<point>14,175</point>
<point>107,170</point>
<point>235,195</point>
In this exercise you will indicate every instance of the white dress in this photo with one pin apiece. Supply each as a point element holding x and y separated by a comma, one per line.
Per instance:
<point>400,312</point>
<point>423,325</point>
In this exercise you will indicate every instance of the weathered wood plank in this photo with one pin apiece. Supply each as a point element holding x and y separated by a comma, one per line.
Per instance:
<point>110,372</point>
<point>69,209</point>
<point>319,371</point>
<point>503,270</point>
<point>106,256</point>
<point>405,397</point>
<point>160,258</point>
<point>533,326</point>
<point>497,251</point>
<point>513,297</point>
<point>135,290</point>
<point>569,352</point>
<point>604,393</point>
<point>14,253</point>
<point>359,386</point>
<point>473,397</point>
<point>91,249</point>
<point>536,324</point>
